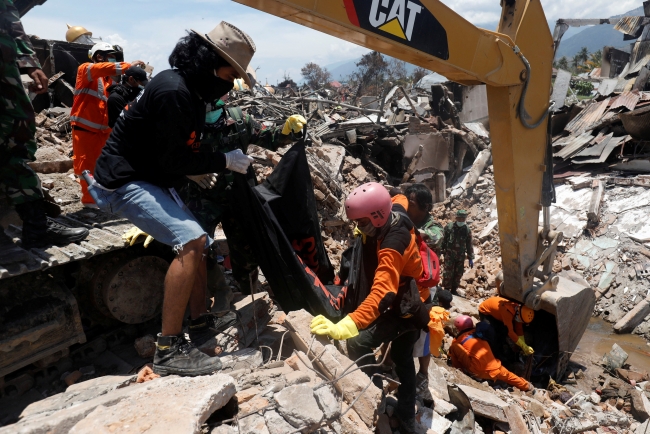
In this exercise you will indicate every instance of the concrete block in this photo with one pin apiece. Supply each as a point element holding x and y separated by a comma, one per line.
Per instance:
<point>296,377</point>
<point>254,404</point>
<point>486,404</point>
<point>167,404</point>
<point>640,405</point>
<point>332,363</point>
<point>247,394</point>
<point>464,307</point>
<point>248,358</point>
<point>442,407</point>
<point>253,424</point>
<point>328,402</point>
<point>276,423</point>
<point>351,423</point>
<point>298,406</point>
<point>429,420</point>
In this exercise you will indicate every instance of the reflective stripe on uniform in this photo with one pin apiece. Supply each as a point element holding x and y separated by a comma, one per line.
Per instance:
<point>118,69</point>
<point>88,123</point>
<point>94,93</point>
<point>90,77</point>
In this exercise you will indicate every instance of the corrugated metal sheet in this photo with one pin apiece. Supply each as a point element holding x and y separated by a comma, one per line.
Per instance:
<point>626,99</point>
<point>639,51</point>
<point>629,25</point>
<point>599,144</point>
<point>574,145</point>
<point>634,69</point>
<point>609,147</point>
<point>587,117</point>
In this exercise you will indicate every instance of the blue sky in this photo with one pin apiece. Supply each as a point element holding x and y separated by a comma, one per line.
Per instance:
<point>149,29</point>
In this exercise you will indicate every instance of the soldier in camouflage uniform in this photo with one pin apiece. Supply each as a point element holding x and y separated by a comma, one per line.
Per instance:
<point>17,127</point>
<point>227,129</point>
<point>456,243</point>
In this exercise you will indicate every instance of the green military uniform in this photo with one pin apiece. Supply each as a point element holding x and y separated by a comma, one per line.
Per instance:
<point>434,232</point>
<point>17,126</point>
<point>213,206</point>
<point>456,243</point>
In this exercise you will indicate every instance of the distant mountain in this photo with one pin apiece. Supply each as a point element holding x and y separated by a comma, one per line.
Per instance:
<point>342,70</point>
<point>596,37</point>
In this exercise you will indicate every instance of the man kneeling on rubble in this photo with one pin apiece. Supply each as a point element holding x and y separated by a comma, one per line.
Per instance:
<point>472,354</point>
<point>392,311</point>
<point>155,144</point>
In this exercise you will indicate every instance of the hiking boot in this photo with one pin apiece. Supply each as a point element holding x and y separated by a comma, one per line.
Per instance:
<point>39,230</point>
<point>175,355</point>
<point>422,388</point>
<point>208,326</point>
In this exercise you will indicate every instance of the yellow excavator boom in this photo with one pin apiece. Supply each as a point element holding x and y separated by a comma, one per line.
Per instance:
<point>515,63</point>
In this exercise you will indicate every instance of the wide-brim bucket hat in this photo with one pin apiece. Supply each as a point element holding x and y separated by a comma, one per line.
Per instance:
<point>235,46</point>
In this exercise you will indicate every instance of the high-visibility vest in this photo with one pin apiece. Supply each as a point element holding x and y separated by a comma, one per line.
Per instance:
<point>89,109</point>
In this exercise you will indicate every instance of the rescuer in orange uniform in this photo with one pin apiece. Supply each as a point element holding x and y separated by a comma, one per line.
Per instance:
<point>474,356</point>
<point>89,114</point>
<point>512,315</point>
<point>392,311</point>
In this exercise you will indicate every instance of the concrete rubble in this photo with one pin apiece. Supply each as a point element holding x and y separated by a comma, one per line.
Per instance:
<point>278,378</point>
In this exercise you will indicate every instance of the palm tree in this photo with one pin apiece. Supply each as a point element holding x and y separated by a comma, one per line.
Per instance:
<point>576,61</point>
<point>563,63</point>
<point>584,54</point>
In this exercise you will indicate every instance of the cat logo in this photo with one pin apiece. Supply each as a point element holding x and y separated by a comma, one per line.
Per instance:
<point>399,21</point>
<point>404,21</point>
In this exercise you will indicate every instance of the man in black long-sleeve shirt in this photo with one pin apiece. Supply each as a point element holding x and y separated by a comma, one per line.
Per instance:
<point>154,145</point>
<point>134,80</point>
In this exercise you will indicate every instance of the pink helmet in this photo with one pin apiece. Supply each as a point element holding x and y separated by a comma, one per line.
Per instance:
<point>463,322</point>
<point>369,200</point>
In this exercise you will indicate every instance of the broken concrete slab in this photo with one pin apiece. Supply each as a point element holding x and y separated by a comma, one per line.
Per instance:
<point>429,421</point>
<point>151,405</point>
<point>332,363</point>
<point>486,404</point>
<point>253,424</point>
<point>485,233</point>
<point>640,405</point>
<point>442,407</point>
<point>276,423</point>
<point>615,358</point>
<point>248,358</point>
<point>298,406</point>
<point>464,306</point>
<point>351,423</point>
<point>327,402</point>
<point>633,318</point>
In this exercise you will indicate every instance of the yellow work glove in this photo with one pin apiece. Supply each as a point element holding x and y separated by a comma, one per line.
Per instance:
<point>358,233</point>
<point>295,123</point>
<point>525,348</point>
<point>132,236</point>
<point>344,329</point>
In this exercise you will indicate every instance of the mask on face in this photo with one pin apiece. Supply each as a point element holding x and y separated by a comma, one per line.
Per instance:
<point>112,60</point>
<point>140,87</point>
<point>461,224</point>
<point>213,116</point>
<point>211,87</point>
<point>368,229</point>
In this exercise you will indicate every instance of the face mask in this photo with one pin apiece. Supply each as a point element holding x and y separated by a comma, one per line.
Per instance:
<point>213,116</point>
<point>140,87</point>
<point>368,229</point>
<point>211,87</point>
<point>112,60</point>
<point>461,224</point>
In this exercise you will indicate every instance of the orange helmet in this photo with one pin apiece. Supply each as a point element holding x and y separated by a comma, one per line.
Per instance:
<point>527,314</point>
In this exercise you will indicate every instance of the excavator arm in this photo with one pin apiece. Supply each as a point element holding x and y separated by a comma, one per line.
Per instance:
<point>515,63</point>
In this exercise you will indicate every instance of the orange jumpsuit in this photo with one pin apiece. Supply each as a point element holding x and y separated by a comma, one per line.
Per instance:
<point>89,116</point>
<point>397,255</point>
<point>503,310</point>
<point>474,355</point>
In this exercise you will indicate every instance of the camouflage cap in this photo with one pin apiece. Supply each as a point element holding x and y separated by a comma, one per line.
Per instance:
<point>461,213</point>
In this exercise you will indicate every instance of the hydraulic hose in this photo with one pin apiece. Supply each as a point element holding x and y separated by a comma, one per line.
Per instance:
<point>523,115</point>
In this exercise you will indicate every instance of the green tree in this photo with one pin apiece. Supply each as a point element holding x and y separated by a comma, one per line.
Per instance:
<point>562,63</point>
<point>583,54</point>
<point>371,73</point>
<point>418,73</point>
<point>315,76</point>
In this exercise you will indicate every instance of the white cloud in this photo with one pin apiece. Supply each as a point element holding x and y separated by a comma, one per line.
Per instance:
<point>149,29</point>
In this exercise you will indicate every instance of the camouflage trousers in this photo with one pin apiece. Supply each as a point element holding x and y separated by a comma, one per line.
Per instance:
<point>211,207</point>
<point>17,144</point>
<point>452,273</point>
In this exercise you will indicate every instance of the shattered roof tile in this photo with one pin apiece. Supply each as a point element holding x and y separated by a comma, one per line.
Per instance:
<point>589,116</point>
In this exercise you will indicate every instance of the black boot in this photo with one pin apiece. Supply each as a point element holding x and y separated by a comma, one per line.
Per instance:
<point>39,230</point>
<point>176,356</point>
<point>207,326</point>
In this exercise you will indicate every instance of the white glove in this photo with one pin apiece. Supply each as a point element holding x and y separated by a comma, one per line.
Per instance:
<point>237,161</point>
<point>205,181</point>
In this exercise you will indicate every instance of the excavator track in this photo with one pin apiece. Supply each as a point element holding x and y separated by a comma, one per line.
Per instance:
<point>50,297</point>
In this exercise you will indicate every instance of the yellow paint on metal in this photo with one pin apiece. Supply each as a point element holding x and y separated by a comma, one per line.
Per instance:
<point>394,28</point>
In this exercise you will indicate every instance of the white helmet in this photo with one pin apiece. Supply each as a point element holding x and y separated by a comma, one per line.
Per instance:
<point>100,46</point>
